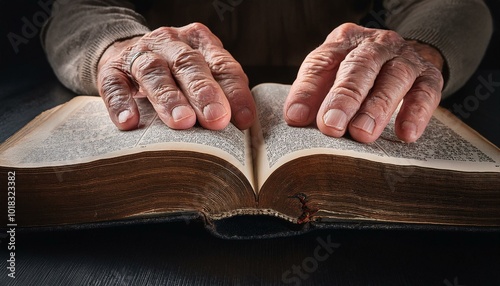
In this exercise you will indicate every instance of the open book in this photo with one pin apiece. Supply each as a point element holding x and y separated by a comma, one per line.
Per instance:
<point>72,166</point>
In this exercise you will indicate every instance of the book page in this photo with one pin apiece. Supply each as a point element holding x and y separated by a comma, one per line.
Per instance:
<point>81,131</point>
<point>446,144</point>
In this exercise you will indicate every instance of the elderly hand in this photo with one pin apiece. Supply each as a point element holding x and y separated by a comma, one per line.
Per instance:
<point>184,72</point>
<point>355,80</point>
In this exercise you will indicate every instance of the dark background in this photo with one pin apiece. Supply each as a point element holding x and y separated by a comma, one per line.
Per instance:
<point>184,253</point>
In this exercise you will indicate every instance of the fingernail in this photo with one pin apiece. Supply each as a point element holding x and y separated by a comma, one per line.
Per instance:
<point>244,115</point>
<point>181,112</point>
<point>409,127</point>
<point>364,122</point>
<point>335,118</point>
<point>298,112</point>
<point>214,111</point>
<point>124,115</point>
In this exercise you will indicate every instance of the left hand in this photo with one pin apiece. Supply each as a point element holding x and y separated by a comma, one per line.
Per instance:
<point>355,80</point>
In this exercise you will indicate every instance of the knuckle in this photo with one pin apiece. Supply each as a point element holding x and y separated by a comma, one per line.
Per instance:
<point>185,60</point>
<point>427,93</point>
<point>434,78</point>
<point>162,33</point>
<point>232,81</point>
<point>163,90</point>
<point>320,60</point>
<point>349,90</point>
<point>382,101</point>
<point>149,69</point>
<point>166,95</point>
<point>202,91</point>
<point>353,68</point>
<point>418,110</point>
<point>344,35</point>
<point>367,59</point>
<point>199,84</point>
<point>304,90</point>
<point>200,36</point>
<point>158,39</point>
<point>357,75</point>
<point>369,52</point>
<point>221,64</point>
<point>236,98</point>
<point>113,92</point>
<point>197,27</point>
<point>347,28</point>
<point>427,89</point>
<point>111,83</point>
<point>428,86</point>
<point>388,37</point>
<point>401,70</point>
<point>152,73</point>
<point>116,103</point>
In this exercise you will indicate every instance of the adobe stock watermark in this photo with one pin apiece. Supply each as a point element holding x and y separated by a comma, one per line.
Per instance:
<point>11,224</point>
<point>482,92</point>
<point>398,175</point>
<point>30,26</point>
<point>223,6</point>
<point>121,277</point>
<point>309,265</point>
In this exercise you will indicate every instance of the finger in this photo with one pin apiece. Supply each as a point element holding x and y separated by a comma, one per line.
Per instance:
<point>315,77</point>
<point>419,105</point>
<point>153,76</point>
<point>225,70</point>
<point>117,91</point>
<point>394,80</point>
<point>234,82</point>
<point>355,78</point>
<point>193,76</point>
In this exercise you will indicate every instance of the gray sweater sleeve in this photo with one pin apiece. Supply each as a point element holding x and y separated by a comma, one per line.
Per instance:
<point>78,33</point>
<point>460,30</point>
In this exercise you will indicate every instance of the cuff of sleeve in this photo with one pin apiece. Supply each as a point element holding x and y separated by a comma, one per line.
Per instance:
<point>460,30</point>
<point>119,30</point>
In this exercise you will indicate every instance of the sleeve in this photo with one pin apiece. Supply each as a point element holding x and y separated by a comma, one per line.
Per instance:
<point>460,30</point>
<point>77,34</point>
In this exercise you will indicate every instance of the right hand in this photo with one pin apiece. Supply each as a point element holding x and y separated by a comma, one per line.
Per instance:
<point>355,80</point>
<point>184,72</point>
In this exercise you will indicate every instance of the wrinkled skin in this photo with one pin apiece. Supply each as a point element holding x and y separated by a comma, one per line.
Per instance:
<point>186,74</point>
<point>353,82</point>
